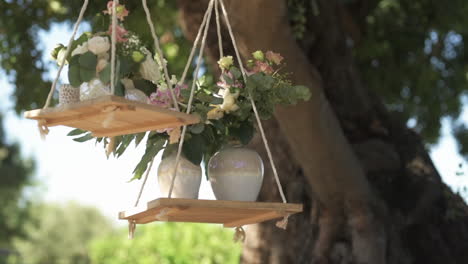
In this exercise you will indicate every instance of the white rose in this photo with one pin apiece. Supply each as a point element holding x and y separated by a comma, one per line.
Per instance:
<point>149,69</point>
<point>83,48</point>
<point>98,45</point>
<point>61,57</point>
<point>229,102</point>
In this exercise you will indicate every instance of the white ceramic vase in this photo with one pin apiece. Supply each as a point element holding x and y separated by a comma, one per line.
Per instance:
<point>187,182</point>
<point>236,173</point>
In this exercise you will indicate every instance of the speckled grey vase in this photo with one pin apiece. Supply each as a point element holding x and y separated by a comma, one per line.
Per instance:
<point>236,173</point>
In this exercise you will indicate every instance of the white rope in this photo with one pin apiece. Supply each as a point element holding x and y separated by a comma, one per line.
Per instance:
<point>144,182</point>
<point>239,235</point>
<point>218,28</point>
<point>113,45</point>
<point>189,107</point>
<point>160,53</point>
<point>262,132</point>
<point>194,47</point>
<point>68,50</point>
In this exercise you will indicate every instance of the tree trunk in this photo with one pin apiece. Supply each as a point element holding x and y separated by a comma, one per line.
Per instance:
<point>370,191</point>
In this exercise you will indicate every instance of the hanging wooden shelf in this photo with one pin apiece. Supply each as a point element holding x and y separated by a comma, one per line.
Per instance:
<point>130,117</point>
<point>228,213</point>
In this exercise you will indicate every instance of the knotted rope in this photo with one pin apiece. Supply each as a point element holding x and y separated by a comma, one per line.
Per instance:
<point>189,105</point>
<point>43,130</point>
<point>254,107</point>
<point>239,236</point>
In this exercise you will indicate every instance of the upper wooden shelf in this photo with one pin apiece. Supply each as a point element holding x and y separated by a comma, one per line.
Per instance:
<point>130,117</point>
<point>228,213</point>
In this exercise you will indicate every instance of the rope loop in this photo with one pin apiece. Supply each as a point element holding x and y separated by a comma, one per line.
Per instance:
<point>239,236</point>
<point>131,229</point>
<point>283,224</point>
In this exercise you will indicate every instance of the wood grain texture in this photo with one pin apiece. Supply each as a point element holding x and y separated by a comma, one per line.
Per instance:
<point>228,213</point>
<point>129,116</point>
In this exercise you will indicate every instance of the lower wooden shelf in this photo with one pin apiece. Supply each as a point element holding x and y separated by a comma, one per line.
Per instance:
<point>228,213</point>
<point>129,117</point>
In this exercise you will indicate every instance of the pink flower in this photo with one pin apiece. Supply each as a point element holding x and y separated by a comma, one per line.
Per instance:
<point>163,97</point>
<point>120,33</point>
<point>262,67</point>
<point>120,10</point>
<point>222,83</point>
<point>276,58</point>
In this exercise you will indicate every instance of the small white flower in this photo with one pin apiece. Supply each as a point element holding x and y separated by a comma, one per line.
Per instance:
<point>149,69</point>
<point>61,57</point>
<point>98,45</point>
<point>83,48</point>
<point>229,102</point>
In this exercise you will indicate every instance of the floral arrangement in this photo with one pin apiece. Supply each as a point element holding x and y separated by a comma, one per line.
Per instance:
<point>90,67</point>
<point>224,106</point>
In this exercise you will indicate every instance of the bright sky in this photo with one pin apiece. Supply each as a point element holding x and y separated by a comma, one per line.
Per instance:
<point>81,172</point>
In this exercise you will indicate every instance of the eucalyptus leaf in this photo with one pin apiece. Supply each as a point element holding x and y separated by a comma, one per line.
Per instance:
<point>139,137</point>
<point>105,74</point>
<point>87,75</point>
<point>197,128</point>
<point>88,61</point>
<point>76,132</point>
<point>194,148</point>
<point>74,76</point>
<point>84,138</point>
<point>235,72</point>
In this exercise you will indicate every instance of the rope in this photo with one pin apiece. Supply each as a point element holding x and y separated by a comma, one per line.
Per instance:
<point>68,50</point>
<point>131,229</point>
<point>218,29</point>
<point>43,130</point>
<point>239,236</point>
<point>262,132</point>
<point>195,44</point>
<point>189,107</point>
<point>160,53</point>
<point>113,45</point>
<point>144,182</point>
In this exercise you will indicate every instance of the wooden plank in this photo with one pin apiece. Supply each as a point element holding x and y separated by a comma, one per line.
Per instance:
<point>130,117</point>
<point>228,213</point>
<point>254,219</point>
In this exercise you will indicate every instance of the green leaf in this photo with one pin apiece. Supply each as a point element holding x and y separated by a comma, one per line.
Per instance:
<point>235,72</point>
<point>194,148</point>
<point>169,150</point>
<point>227,79</point>
<point>127,65</point>
<point>84,138</point>
<point>197,128</point>
<point>76,132</point>
<point>152,149</point>
<point>124,143</point>
<point>145,86</point>
<point>74,75</point>
<point>216,100</point>
<point>244,132</point>
<point>185,93</point>
<point>87,75</point>
<point>119,89</point>
<point>139,137</point>
<point>88,61</point>
<point>105,74</point>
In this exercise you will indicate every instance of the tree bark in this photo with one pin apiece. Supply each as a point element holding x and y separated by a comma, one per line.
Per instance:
<point>370,191</point>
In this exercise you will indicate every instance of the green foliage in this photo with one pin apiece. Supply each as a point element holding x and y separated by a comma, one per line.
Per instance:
<point>178,243</point>
<point>15,177</point>
<point>61,234</point>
